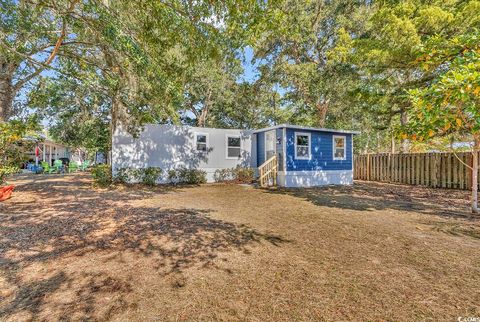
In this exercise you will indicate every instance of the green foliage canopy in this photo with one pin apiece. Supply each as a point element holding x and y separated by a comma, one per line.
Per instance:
<point>450,105</point>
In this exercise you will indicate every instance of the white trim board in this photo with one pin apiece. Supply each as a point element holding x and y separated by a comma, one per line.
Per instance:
<point>299,179</point>
<point>353,155</point>
<point>298,127</point>
<point>284,148</point>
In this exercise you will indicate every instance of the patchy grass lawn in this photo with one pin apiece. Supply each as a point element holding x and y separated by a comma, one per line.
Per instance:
<point>229,252</point>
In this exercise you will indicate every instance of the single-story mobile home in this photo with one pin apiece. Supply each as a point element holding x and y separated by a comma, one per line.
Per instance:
<point>302,156</point>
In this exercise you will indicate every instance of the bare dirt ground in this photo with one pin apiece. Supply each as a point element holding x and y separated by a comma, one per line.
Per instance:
<point>374,252</point>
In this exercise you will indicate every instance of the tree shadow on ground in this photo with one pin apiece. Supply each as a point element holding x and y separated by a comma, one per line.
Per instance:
<point>455,228</point>
<point>370,196</point>
<point>66,218</point>
<point>30,296</point>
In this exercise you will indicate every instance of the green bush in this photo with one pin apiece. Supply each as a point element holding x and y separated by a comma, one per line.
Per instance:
<point>222,175</point>
<point>191,176</point>
<point>6,171</point>
<point>102,174</point>
<point>150,175</point>
<point>135,175</point>
<point>122,175</point>
<point>172,176</point>
<point>244,175</point>
<point>238,175</point>
<point>13,147</point>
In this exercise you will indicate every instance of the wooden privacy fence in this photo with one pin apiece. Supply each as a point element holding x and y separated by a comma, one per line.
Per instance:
<point>436,170</point>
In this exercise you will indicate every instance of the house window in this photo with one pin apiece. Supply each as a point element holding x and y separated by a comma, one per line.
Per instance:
<point>201,142</point>
<point>302,146</point>
<point>339,144</point>
<point>233,147</point>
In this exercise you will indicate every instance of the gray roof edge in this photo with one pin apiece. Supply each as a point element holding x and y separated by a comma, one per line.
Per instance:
<point>298,127</point>
<point>199,128</point>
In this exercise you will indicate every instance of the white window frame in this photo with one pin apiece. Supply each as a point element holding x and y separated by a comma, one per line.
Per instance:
<point>206,141</point>
<point>226,146</point>
<point>344,146</point>
<point>309,157</point>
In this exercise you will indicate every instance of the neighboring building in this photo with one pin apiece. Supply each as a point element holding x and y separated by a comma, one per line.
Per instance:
<point>306,156</point>
<point>49,151</point>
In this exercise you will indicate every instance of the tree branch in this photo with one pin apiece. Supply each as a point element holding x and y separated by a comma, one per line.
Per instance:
<point>65,43</point>
<point>41,66</point>
<point>62,35</point>
<point>28,78</point>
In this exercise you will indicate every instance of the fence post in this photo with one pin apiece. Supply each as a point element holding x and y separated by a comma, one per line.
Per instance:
<point>462,171</point>
<point>389,167</point>
<point>368,167</point>
<point>427,170</point>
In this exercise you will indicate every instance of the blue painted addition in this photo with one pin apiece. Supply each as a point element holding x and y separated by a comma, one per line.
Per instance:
<point>260,148</point>
<point>322,152</point>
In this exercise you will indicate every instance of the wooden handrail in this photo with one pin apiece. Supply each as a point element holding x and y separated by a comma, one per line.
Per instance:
<point>268,172</point>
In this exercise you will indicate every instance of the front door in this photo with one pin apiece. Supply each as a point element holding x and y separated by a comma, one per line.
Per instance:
<point>270,144</point>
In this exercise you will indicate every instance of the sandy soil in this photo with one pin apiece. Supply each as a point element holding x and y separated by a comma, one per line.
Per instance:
<point>375,252</point>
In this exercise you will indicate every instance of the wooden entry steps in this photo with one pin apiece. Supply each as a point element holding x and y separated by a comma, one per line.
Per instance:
<point>268,172</point>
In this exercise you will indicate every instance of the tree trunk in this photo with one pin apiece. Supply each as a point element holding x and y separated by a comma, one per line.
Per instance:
<point>118,109</point>
<point>322,109</point>
<point>7,91</point>
<point>202,119</point>
<point>119,114</point>
<point>476,150</point>
<point>378,142</point>
<point>403,121</point>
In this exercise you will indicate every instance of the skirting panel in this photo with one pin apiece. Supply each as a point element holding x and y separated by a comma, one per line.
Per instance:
<point>295,179</point>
